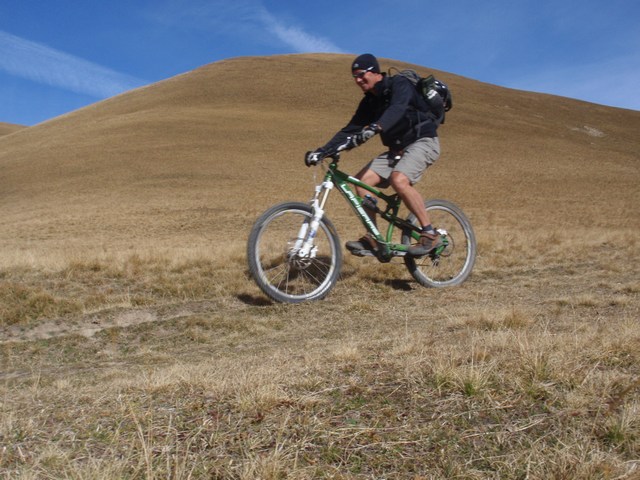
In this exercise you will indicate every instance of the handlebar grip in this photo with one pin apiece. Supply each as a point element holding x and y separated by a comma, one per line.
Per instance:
<point>307,159</point>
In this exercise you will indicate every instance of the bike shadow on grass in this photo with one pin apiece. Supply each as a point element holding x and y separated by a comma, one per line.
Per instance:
<point>394,283</point>
<point>398,284</point>
<point>255,300</point>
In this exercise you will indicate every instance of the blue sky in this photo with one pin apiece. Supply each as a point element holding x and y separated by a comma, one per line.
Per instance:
<point>60,55</point>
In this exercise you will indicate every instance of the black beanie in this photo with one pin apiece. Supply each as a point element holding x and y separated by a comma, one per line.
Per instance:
<point>367,62</point>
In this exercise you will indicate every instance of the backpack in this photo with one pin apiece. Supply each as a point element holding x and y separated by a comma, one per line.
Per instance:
<point>428,87</point>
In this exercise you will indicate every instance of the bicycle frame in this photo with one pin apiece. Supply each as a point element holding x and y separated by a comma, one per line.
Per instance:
<point>387,248</point>
<point>293,268</point>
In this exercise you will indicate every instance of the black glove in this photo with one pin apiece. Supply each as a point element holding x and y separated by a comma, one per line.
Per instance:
<point>359,138</point>
<point>312,158</point>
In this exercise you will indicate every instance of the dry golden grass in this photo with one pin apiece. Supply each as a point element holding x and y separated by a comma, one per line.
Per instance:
<point>135,346</point>
<point>7,128</point>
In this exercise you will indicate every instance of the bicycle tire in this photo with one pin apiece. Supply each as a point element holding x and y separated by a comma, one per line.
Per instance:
<point>285,277</point>
<point>454,265</point>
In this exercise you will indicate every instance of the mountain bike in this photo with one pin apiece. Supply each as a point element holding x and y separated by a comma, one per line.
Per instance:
<point>294,251</point>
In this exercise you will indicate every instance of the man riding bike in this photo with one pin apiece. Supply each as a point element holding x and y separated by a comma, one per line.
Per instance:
<point>392,108</point>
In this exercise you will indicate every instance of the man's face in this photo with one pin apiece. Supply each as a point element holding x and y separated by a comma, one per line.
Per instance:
<point>366,79</point>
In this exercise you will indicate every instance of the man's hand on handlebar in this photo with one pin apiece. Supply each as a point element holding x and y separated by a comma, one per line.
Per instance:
<point>314,157</point>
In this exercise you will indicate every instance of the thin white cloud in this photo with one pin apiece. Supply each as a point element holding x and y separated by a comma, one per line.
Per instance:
<point>297,38</point>
<point>42,64</point>
<point>249,20</point>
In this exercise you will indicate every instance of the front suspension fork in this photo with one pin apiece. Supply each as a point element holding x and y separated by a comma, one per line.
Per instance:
<point>304,246</point>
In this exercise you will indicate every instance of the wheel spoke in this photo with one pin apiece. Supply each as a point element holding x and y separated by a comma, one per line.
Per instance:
<point>280,271</point>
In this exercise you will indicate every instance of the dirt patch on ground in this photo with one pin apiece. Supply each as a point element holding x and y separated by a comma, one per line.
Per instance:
<point>89,324</point>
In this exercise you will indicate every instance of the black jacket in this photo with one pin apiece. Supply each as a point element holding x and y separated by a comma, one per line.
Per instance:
<point>398,108</point>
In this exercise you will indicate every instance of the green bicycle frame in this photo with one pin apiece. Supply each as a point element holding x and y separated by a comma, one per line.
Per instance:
<point>388,249</point>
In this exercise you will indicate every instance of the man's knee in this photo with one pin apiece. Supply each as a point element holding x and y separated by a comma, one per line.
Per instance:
<point>399,181</point>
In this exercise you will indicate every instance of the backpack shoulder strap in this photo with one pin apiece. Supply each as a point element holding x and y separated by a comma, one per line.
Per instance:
<point>407,73</point>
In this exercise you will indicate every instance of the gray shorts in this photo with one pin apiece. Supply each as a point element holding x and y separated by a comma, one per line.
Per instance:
<point>416,158</point>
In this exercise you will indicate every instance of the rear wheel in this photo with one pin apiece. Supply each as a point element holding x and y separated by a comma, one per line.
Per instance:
<point>276,261</point>
<point>451,265</point>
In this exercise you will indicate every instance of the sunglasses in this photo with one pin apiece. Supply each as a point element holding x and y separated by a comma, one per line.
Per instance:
<point>362,73</point>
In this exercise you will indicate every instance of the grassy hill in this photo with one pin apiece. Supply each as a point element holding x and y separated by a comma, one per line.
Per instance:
<point>134,345</point>
<point>163,153</point>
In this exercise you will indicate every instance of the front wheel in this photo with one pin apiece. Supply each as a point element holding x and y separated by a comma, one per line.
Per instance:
<point>279,263</point>
<point>451,265</point>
